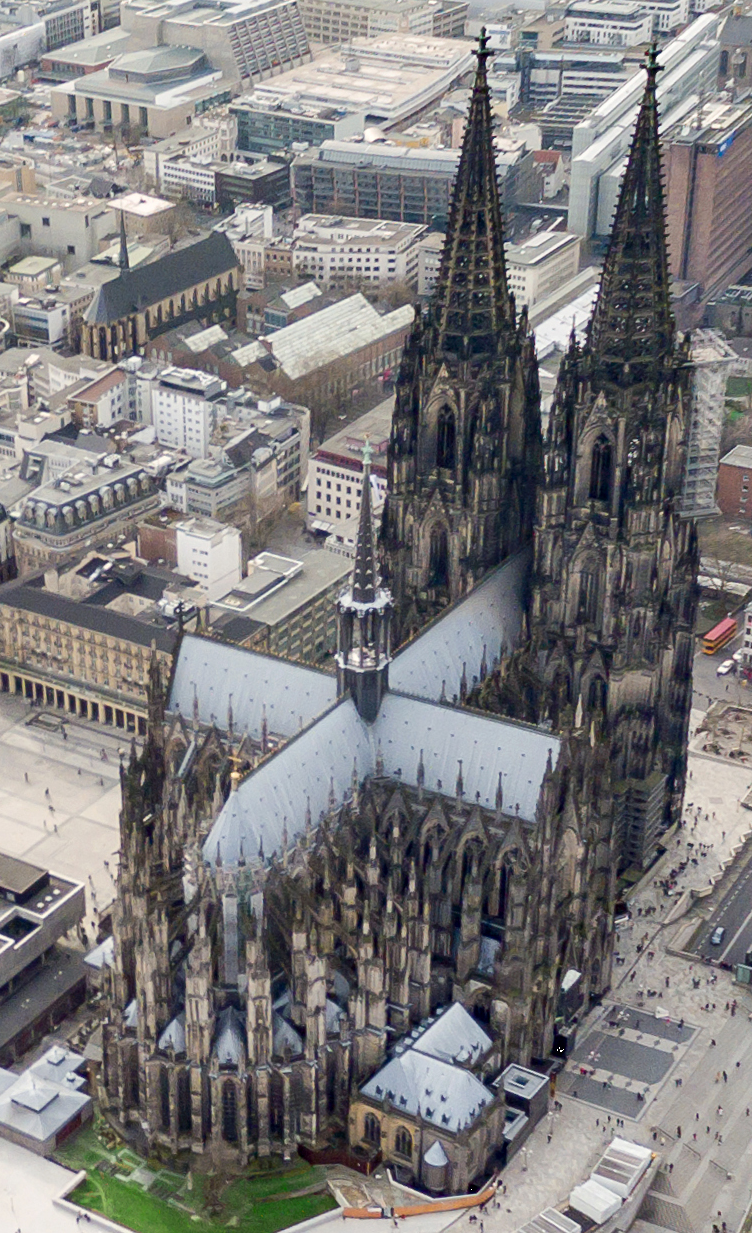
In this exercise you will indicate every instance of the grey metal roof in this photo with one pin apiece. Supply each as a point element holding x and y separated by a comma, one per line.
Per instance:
<point>173,1037</point>
<point>315,769</point>
<point>39,1109</point>
<point>230,1042</point>
<point>447,1096</point>
<point>454,1037</point>
<point>134,290</point>
<point>435,1155</point>
<point>59,1065</point>
<point>487,617</point>
<point>284,1036</point>
<point>216,673</point>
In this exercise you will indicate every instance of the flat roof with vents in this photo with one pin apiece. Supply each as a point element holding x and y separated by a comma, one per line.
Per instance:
<point>19,880</point>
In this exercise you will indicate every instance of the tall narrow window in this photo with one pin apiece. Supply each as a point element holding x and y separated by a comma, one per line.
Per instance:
<point>229,1112</point>
<point>445,443</point>
<point>600,470</point>
<point>587,608</point>
<point>372,1129</point>
<point>164,1097</point>
<point>439,558</point>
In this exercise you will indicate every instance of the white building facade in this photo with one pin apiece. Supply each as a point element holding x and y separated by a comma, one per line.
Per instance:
<point>210,553</point>
<point>335,250</point>
<point>183,411</point>
<point>608,23</point>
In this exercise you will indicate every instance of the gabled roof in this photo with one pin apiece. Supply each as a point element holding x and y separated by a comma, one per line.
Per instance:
<point>218,676</point>
<point>488,617</point>
<point>420,1086</point>
<point>315,769</point>
<point>176,272</point>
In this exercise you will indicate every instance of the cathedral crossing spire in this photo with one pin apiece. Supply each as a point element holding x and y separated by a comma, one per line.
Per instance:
<point>471,305</point>
<point>364,572</point>
<point>631,333</point>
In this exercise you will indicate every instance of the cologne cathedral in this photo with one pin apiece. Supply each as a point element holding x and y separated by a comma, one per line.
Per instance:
<point>353,909</point>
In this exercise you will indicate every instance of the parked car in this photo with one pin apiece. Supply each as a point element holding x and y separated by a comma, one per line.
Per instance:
<point>738,656</point>
<point>718,936</point>
<point>727,666</point>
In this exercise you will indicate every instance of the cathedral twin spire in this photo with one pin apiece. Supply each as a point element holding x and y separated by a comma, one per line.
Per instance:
<point>631,333</point>
<point>471,305</point>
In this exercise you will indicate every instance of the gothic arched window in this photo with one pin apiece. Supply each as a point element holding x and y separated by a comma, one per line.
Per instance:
<point>597,694</point>
<point>164,1097</point>
<point>372,1129</point>
<point>445,440</point>
<point>229,1112</point>
<point>403,1142</point>
<point>184,1103</point>
<point>600,470</point>
<point>587,608</point>
<point>438,566</point>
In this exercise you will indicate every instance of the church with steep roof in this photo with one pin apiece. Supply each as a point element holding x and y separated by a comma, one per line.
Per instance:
<point>342,894</point>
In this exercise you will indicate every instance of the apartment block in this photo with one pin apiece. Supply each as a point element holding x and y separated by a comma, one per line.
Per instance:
<point>608,23</point>
<point>184,409</point>
<point>335,251</point>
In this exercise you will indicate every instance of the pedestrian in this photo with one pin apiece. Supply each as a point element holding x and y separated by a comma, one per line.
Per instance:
<point>678,1132</point>
<point>46,792</point>
<point>725,1077</point>
<point>697,1117</point>
<point>720,1139</point>
<point>671,1167</point>
<point>549,1137</point>
<point>26,776</point>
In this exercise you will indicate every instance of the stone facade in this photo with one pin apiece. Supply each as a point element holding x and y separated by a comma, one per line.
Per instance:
<point>295,900</point>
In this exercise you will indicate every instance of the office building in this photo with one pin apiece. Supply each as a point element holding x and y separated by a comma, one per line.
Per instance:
<point>34,274</point>
<point>90,55</point>
<point>184,409</point>
<point>707,159</point>
<point>249,230</point>
<point>376,81</point>
<point>340,21</point>
<point>335,471</point>
<point>210,553</point>
<point>375,181</point>
<point>608,23</point>
<point>37,908</point>
<point>541,263</point>
<point>335,251</point>
<point>600,140</point>
<point>284,606</point>
<point>248,40</point>
<point>211,139</point>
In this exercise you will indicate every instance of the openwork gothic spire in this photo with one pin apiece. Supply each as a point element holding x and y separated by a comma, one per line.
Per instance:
<point>631,333</point>
<point>471,304</point>
<point>364,572</point>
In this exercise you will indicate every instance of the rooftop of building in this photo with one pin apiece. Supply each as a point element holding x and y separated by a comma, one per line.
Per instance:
<point>539,247</point>
<point>276,587</point>
<point>141,205</point>
<point>713,125</point>
<point>739,456</point>
<point>383,154</point>
<point>337,228</point>
<point>94,50</point>
<point>608,8</point>
<point>325,337</point>
<point>32,267</point>
<point>94,610</point>
<point>737,30</point>
<point>199,12</point>
<point>387,78</point>
<point>134,290</point>
<point>348,442</point>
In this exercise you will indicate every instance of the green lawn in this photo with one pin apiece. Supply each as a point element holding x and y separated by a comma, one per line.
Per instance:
<point>127,1204</point>
<point>265,1200</point>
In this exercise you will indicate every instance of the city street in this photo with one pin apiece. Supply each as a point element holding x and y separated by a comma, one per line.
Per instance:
<point>735,916</point>
<point>708,686</point>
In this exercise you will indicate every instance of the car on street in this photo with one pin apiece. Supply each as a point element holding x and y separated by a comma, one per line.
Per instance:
<point>727,666</point>
<point>718,936</point>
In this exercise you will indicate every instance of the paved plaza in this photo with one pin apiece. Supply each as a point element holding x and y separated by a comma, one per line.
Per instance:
<point>74,830</point>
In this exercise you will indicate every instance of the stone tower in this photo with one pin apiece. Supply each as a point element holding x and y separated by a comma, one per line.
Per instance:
<point>464,451</point>
<point>614,592</point>
<point>364,611</point>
